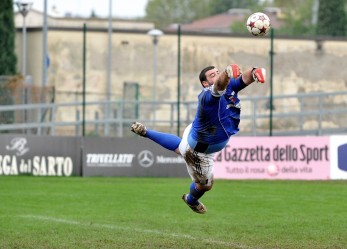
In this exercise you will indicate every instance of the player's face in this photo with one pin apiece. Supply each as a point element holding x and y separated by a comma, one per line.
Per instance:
<point>212,76</point>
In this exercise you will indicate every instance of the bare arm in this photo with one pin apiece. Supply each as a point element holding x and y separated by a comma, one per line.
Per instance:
<point>257,74</point>
<point>231,71</point>
<point>222,82</point>
<point>247,76</point>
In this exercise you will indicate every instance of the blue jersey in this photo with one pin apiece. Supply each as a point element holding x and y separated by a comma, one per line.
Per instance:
<point>216,119</point>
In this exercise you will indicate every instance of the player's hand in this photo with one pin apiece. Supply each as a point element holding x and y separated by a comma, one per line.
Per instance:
<point>233,71</point>
<point>259,74</point>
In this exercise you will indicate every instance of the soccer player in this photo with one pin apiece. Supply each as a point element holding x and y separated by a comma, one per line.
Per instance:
<point>217,119</point>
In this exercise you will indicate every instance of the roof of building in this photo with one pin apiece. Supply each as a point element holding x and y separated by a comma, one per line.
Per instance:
<point>221,23</point>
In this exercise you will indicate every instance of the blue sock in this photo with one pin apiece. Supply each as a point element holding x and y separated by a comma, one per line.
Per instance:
<point>168,141</point>
<point>194,194</point>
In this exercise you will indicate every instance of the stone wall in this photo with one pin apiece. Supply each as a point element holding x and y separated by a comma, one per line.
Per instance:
<point>299,67</point>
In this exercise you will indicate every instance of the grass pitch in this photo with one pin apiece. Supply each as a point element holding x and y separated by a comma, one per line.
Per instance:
<point>46,212</point>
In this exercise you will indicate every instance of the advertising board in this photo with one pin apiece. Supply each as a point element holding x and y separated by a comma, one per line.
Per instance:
<point>40,155</point>
<point>304,158</point>
<point>338,169</point>
<point>133,156</point>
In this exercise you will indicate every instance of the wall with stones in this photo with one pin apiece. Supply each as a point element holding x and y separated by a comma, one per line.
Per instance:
<point>299,67</point>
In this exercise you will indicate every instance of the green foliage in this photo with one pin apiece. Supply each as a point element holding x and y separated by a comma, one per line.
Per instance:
<point>93,14</point>
<point>331,18</point>
<point>163,12</point>
<point>220,6</point>
<point>297,17</point>
<point>239,27</point>
<point>8,57</point>
<point>6,98</point>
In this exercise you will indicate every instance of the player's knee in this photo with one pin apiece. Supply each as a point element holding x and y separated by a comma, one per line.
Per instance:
<point>177,151</point>
<point>205,187</point>
<point>208,188</point>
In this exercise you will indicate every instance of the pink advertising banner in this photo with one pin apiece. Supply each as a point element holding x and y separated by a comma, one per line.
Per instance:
<point>302,158</point>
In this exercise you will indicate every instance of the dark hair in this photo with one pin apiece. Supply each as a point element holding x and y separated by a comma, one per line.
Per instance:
<point>202,75</point>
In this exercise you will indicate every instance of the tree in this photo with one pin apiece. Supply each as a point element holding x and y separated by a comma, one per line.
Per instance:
<point>220,6</point>
<point>93,14</point>
<point>8,59</point>
<point>165,12</point>
<point>298,16</point>
<point>331,18</point>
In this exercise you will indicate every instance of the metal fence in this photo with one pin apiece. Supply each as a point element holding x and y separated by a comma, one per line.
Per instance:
<point>299,114</point>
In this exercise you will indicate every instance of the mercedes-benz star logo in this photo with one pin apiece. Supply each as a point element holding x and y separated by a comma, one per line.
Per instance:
<point>145,158</point>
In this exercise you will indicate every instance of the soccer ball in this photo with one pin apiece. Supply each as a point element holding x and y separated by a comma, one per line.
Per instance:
<point>258,24</point>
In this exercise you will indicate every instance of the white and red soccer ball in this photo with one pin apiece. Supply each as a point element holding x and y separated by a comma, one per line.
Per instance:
<point>258,24</point>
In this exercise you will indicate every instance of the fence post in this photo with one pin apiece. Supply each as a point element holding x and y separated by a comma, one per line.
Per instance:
<point>96,126</point>
<point>254,118</point>
<point>320,115</point>
<point>271,76</point>
<point>77,132</point>
<point>84,81</point>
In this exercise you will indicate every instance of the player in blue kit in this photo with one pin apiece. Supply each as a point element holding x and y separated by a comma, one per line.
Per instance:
<point>217,119</point>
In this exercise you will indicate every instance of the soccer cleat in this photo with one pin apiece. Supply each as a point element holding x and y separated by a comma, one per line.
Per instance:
<point>139,129</point>
<point>199,208</point>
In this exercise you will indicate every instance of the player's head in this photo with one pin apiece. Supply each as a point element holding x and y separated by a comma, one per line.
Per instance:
<point>208,76</point>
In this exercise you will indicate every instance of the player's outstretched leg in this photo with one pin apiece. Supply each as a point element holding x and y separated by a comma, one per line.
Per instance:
<point>168,141</point>
<point>192,199</point>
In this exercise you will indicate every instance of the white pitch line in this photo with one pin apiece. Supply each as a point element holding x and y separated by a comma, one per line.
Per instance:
<point>114,227</point>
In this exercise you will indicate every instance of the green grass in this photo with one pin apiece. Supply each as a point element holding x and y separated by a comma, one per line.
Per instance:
<point>43,212</point>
